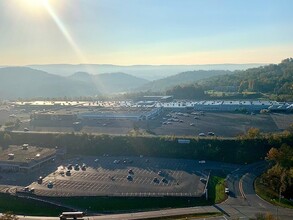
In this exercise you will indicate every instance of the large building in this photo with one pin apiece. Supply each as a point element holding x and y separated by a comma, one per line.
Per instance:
<point>25,158</point>
<point>66,110</point>
<point>132,113</point>
<point>229,106</point>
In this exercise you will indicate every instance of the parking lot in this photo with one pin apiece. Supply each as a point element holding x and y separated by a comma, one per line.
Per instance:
<point>133,176</point>
<point>220,123</point>
<point>169,122</point>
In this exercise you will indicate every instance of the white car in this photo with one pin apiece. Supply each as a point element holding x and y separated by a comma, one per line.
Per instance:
<point>202,161</point>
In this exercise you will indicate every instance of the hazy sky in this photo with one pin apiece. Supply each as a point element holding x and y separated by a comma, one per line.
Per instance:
<point>145,31</point>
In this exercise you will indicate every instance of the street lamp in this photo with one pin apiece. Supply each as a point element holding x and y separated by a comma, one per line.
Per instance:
<point>280,191</point>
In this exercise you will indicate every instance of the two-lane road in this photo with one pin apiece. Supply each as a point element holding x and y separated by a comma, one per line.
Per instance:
<point>243,203</point>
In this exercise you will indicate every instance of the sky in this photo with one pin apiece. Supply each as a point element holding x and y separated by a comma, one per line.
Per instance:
<point>131,32</point>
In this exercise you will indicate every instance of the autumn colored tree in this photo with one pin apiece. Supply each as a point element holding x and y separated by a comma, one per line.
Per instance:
<point>279,177</point>
<point>253,133</point>
<point>8,216</point>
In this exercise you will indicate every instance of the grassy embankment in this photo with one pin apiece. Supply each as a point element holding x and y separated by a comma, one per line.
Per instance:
<point>23,206</point>
<point>216,188</point>
<point>270,196</point>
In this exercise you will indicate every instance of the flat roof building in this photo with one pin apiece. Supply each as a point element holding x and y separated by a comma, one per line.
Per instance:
<point>25,158</point>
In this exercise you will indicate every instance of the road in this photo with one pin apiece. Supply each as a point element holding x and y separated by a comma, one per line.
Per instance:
<point>141,215</point>
<point>243,203</point>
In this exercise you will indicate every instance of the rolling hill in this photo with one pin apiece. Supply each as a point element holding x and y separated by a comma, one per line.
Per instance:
<point>109,83</point>
<point>149,72</point>
<point>180,79</point>
<point>24,82</point>
<point>273,81</point>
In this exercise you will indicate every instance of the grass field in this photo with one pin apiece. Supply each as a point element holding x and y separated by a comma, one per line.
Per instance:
<point>129,204</point>
<point>216,188</point>
<point>24,206</point>
<point>270,196</point>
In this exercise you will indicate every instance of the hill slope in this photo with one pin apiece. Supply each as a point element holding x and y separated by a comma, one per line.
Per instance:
<point>109,83</point>
<point>272,79</point>
<point>180,79</point>
<point>23,82</point>
<point>117,82</point>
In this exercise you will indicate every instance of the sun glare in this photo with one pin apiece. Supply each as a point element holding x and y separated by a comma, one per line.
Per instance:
<point>35,3</point>
<point>35,7</point>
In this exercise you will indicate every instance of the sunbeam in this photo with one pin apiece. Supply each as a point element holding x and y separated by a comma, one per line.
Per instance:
<point>69,38</point>
<point>65,32</point>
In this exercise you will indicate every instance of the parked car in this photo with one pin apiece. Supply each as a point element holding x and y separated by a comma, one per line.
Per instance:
<point>50,185</point>
<point>164,180</point>
<point>40,180</point>
<point>68,173</point>
<point>76,167</point>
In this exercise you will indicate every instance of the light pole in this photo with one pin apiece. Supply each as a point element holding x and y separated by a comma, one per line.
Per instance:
<point>280,191</point>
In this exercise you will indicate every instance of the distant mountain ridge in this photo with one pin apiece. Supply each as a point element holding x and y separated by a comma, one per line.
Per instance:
<point>149,72</point>
<point>24,82</point>
<point>181,78</point>
<point>110,82</point>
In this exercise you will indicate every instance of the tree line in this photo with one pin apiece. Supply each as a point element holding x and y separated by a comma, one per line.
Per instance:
<point>245,149</point>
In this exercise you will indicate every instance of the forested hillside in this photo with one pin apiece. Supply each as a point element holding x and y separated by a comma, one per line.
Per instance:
<point>271,81</point>
<point>180,79</point>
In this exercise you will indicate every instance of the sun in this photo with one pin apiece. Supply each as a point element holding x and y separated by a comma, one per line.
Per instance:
<point>33,6</point>
<point>34,3</point>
